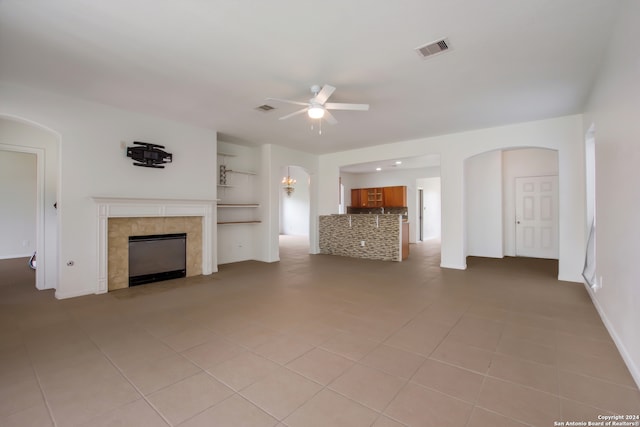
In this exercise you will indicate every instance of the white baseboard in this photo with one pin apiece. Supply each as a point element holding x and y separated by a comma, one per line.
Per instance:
<point>81,293</point>
<point>633,369</point>
<point>571,278</point>
<point>454,266</point>
<point>16,256</point>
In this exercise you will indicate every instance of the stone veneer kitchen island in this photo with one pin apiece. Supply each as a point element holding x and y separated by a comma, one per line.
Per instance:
<point>368,236</point>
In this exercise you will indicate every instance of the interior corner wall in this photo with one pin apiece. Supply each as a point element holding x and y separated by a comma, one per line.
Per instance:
<point>521,162</point>
<point>483,199</point>
<point>613,110</point>
<point>93,162</point>
<point>349,181</point>
<point>18,194</point>
<point>431,207</point>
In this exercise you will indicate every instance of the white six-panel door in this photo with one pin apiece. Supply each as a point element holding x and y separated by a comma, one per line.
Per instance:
<point>537,217</point>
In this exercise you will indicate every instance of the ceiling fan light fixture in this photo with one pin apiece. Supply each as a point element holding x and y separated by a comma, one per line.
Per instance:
<point>315,112</point>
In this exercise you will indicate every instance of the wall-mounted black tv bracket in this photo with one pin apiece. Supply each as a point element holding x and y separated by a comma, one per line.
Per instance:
<point>149,155</point>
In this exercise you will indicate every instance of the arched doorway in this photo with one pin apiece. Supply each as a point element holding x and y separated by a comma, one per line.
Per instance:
<point>22,136</point>
<point>294,211</point>
<point>492,205</point>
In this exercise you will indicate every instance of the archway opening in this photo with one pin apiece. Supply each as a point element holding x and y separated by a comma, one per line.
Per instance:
<point>21,136</point>
<point>294,211</point>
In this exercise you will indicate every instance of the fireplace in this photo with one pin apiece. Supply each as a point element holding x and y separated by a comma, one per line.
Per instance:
<point>157,257</point>
<point>149,217</point>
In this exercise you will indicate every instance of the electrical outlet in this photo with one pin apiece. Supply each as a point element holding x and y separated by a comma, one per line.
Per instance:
<point>362,243</point>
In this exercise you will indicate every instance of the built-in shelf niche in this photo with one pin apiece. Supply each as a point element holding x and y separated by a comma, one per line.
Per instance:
<point>235,206</point>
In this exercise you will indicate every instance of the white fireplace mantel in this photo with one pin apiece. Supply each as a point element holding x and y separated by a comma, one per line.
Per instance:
<point>119,207</point>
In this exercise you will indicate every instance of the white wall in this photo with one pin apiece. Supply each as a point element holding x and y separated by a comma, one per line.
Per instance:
<point>349,181</point>
<point>431,207</point>
<point>19,135</point>
<point>18,207</point>
<point>613,109</point>
<point>294,209</point>
<point>483,199</point>
<point>563,134</point>
<point>520,163</point>
<point>93,163</point>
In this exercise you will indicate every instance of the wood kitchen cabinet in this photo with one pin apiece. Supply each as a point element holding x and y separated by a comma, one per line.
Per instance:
<point>355,197</point>
<point>359,197</point>
<point>366,198</point>
<point>374,198</point>
<point>394,197</point>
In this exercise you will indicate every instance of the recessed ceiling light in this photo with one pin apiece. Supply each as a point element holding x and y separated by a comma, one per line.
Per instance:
<point>398,162</point>
<point>378,169</point>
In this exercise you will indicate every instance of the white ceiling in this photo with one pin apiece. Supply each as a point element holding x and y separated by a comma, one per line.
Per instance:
<point>394,164</point>
<point>210,63</point>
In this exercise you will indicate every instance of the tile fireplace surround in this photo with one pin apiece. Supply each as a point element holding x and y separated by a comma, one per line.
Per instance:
<point>110,207</point>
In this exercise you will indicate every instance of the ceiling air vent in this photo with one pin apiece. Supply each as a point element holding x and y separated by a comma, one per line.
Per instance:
<point>433,48</point>
<point>264,108</point>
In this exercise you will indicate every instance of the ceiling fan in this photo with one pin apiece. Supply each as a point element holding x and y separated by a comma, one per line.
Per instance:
<point>317,107</point>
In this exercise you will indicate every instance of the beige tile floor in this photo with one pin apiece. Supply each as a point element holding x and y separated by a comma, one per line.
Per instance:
<point>313,341</point>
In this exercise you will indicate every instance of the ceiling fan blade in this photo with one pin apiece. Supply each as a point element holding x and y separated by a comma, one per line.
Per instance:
<point>324,94</point>
<point>329,118</point>
<point>342,106</point>
<point>287,101</point>
<point>304,110</point>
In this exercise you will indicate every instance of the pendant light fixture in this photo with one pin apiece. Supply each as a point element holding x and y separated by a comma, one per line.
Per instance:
<point>288,183</point>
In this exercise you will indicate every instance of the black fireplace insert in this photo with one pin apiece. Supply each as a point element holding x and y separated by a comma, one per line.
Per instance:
<point>157,257</point>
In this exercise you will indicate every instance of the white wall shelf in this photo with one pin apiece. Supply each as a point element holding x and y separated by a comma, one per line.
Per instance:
<point>238,204</point>
<point>242,172</point>
<point>238,222</point>
<point>222,177</point>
